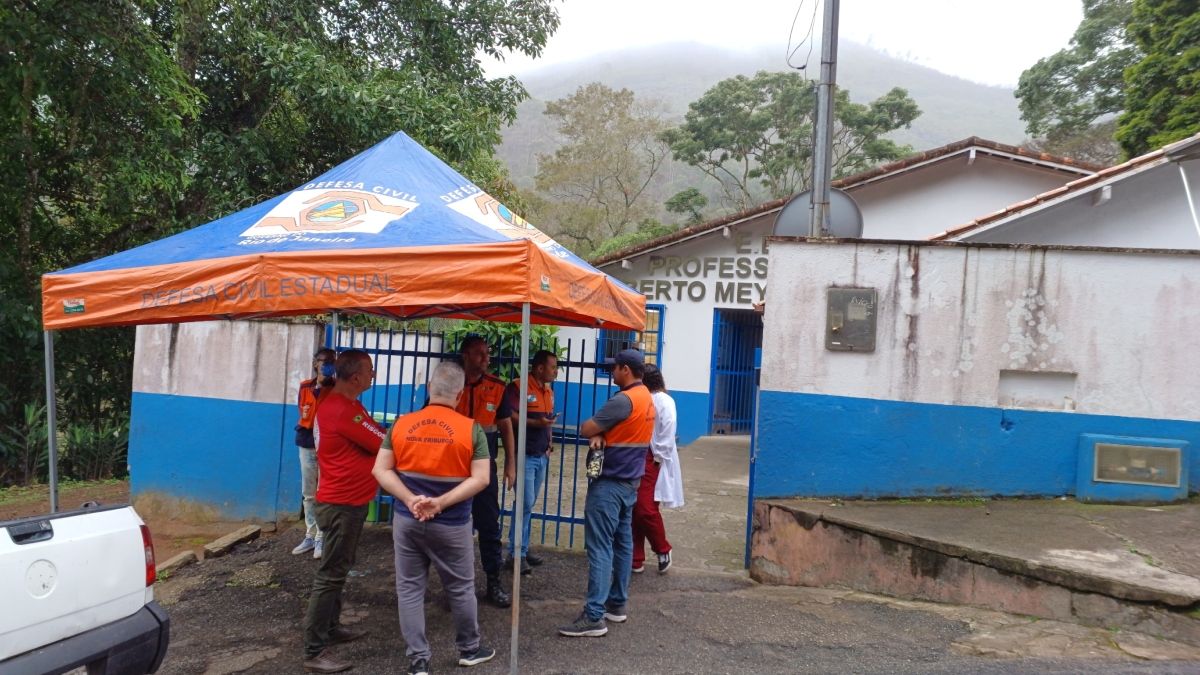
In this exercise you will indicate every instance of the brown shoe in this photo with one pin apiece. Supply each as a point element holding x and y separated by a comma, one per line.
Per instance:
<point>326,663</point>
<point>342,634</point>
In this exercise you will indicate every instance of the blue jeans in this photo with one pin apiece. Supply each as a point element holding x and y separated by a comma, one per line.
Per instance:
<point>608,538</point>
<point>535,475</point>
<point>308,488</point>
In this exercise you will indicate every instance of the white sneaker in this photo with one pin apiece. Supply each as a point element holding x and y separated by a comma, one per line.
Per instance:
<point>317,550</point>
<point>305,546</point>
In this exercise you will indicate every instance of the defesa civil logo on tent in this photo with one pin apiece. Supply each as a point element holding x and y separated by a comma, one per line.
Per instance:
<point>487,210</point>
<point>338,210</point>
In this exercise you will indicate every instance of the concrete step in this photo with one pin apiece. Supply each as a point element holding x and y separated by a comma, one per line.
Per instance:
<point>1119,567</point>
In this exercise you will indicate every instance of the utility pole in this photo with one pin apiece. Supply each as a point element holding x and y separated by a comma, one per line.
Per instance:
<point>823,152</point>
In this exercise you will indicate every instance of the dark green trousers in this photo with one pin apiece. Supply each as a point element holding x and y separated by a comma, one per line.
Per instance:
<point>341,526</point>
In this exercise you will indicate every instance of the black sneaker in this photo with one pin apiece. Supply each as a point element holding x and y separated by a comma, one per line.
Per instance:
<point>534,560</point>
<point>496,594</point>
<point>418,667</point>
<point>584,627</point>
<point>664,562</point>
<point>525,567</point>
<point>614,613</point>
<point>481,655</point>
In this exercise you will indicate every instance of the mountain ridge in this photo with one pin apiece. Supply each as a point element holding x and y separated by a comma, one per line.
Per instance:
<point>952,108</point>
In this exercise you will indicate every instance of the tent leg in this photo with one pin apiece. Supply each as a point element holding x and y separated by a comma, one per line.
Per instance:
<point>52,421</point>
<point>518,520</point>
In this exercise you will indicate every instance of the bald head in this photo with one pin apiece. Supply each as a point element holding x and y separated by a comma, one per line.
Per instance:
<point>355,372</point>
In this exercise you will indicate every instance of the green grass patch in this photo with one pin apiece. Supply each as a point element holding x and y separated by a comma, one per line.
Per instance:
<point>1144,556</point>
<point>953,501</point>
<point>21,494</point>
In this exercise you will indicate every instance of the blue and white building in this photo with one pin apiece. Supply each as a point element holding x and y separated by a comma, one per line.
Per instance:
<point>997,370</point>
<point>701,282</point>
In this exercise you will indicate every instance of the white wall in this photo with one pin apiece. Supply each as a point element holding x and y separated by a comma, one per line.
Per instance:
<point>951,318</point>
<point>1145,210</point>
<point>395,370</point>
<point>923,202</point>
<point>259,361</point>
<point>912,205</point>
<point>701,271</point>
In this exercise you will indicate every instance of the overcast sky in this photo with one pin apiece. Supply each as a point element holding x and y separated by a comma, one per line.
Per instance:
<point>985,41</point>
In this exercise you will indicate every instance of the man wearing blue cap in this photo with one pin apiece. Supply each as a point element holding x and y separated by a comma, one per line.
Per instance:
<point>619,437</point>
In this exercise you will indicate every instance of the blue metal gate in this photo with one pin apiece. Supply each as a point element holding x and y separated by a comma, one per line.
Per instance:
<point>403,360</point>
<point>736,334</point>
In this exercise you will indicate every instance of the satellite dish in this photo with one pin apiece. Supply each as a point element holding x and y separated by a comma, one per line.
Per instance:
<point>845,221</point>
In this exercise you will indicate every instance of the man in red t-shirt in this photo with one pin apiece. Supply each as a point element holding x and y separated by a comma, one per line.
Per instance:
<point>347,441</point>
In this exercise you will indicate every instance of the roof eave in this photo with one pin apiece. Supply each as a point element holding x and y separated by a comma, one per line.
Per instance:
<point>890,170</point>
<point>1023,209</point>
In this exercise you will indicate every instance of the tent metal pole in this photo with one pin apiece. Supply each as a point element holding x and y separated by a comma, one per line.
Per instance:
<point>52,421</point>
<point>518,520</point>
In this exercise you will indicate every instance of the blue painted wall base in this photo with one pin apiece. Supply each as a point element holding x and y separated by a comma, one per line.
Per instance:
<point>811,445</point>
<point>692,412</point>
<point>239,457</point>
<point>235,456</point>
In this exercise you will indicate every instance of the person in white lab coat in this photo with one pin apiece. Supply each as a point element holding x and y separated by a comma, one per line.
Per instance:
<point>662,484</point>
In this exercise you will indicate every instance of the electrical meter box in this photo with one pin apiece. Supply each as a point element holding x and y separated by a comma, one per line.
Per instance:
<point>850,319</point>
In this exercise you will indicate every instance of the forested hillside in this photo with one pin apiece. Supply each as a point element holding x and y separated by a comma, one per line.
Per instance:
<point>952,108</point>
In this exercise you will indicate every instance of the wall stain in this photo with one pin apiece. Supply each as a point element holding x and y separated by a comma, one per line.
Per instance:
<point>925,563</point>
<point>805,519</point>
<point>911,346</point>
<point>257,357</point>
<point>172,344</point>
<point>1032,330</point>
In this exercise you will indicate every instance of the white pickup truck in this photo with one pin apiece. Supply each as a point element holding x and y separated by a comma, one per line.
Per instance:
<point>76,590</point>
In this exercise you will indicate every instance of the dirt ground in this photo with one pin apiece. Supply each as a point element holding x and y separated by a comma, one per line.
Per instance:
<point>243,613</point>
<point>171,535</point>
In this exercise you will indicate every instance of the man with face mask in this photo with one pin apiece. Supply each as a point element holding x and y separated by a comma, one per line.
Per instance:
<point>312,393</point>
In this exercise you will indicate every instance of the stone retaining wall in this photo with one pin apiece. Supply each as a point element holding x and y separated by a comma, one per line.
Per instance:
<point>796,549</point>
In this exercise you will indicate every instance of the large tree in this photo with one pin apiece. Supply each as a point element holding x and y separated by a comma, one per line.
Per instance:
<point>754,136</point>
<point>608,155</point>
<point>1162,95</point>
<point>128,120</point>
<point>1064,98</point>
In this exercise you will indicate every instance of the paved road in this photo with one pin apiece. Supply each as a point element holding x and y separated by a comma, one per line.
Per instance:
<point>243,613</point>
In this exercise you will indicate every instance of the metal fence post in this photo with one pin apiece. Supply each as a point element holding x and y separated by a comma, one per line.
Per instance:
<point>518,520</point>
<point>52,420</point>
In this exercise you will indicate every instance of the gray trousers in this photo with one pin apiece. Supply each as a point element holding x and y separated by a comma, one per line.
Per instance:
<point>451,551</point>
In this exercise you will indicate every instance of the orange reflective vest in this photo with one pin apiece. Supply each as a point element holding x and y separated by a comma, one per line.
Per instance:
<point>480,401</point>
<point>434,447</point>
<point>627,443</point>
<point>309,402</point>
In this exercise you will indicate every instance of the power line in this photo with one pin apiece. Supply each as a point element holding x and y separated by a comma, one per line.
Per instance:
<point>807,38</point>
